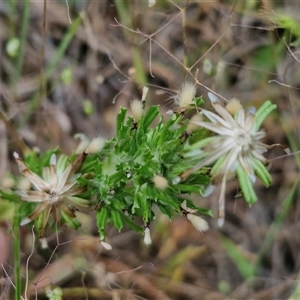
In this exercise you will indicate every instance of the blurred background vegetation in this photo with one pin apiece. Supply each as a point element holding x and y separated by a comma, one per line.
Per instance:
<point>66,67</point>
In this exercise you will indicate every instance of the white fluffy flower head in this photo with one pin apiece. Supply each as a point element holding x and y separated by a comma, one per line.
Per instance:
<point>236,149</point>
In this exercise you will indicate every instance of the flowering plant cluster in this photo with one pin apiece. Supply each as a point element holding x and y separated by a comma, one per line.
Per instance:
<point>153,162</point>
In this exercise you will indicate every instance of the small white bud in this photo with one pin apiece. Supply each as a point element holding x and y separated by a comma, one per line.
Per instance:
<point>145,92</point>
<point>186,95</point>
<point>16,155</point>
<point>95,145</point>
<point>137,109</point>
<point>147,237</point>
<point>199,223</point>
<point>44,243</point>
<point>170,112</point>
<point>106,246</point>
<point>176,180</point>
<point>160,182</point>
<point>233,106</point>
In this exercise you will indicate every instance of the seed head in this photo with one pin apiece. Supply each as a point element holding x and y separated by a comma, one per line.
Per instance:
<point>160,182</point>
<point>186,95</point>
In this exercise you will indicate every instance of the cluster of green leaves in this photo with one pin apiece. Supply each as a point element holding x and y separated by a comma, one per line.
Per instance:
<point>122,173</point>
<point>119,178</point>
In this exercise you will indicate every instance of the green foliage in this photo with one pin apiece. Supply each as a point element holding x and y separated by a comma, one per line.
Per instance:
<point>123,171</point>
<point>121,177</point>
<point>246,267</point>
<point>54,294</point>
<point>287,22</point>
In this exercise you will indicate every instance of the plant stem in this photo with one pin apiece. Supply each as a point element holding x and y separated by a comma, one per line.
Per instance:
<point>16,254</point>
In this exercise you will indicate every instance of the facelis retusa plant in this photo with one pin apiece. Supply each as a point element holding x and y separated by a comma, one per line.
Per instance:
<point>153,163</point>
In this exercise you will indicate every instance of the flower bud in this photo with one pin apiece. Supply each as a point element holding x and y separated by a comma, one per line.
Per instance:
<point>160,182</point>
<point>44,243</point>
<point>95,145</point>
<point>137,109</point>
<point>106,246</point>
<point>186,95</point>
<point>147,237</point>
<point>233,106</point>
<point>199,223</point>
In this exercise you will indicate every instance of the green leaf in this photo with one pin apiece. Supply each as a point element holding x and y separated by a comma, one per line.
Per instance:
<point>198,135</point>
<point>131,224</point>
<point>165,210</point>
<point>246,267</point>
<point>205,211</point>
<point>101,219</point>
<point>116,219</point>
<point>262,172</point>
<point>120,119</point>
<point>266,108</point>
<point>9,195</point>
<point>149,117</point>
<point>199,101</point>
<point>72,222</point>
<point>246,185</point>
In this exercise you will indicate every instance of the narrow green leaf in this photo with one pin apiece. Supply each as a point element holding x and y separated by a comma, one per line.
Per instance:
<point>243,264</point>
<point>262,172</point>
<point>72,222</point>
<point>150,115</point>
<point>102,218</point>
<point>246,185</point>
<point>120,119</point>
<point>164,209</point>
<point>266,108</point>
<point>131,224</point>
<point>116,219</point>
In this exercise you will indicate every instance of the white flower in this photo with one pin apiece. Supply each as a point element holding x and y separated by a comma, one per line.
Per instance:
<point>236,149</point>
<point>55,192</point>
